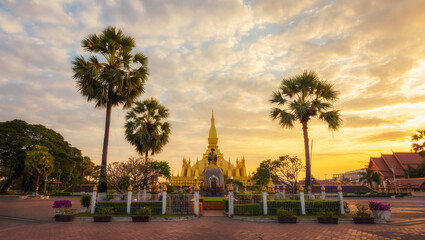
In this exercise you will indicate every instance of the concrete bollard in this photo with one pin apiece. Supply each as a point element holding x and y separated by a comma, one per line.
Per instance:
<point>341,200</point>
<point>302,200</point>
<point>164,199</point>
<point>264,200</point>
<point>129,194</point>
<point>231,209</point>
<point>93,200</point>
<point>323,192</point>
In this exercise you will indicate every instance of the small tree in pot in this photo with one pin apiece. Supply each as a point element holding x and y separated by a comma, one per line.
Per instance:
<point>105,215</point>
<point>85,202</point>
<point>327,217</point>
<point>142,215</point>
<point>361,216</point>
<point>286,216</point>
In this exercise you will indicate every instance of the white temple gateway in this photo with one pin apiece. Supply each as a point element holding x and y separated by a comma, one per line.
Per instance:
<point>212,169</point>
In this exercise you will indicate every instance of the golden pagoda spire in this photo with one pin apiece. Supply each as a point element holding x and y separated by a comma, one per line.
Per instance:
<point>212,138</point>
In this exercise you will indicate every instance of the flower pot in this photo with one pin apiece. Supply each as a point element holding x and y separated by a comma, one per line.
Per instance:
<point>327,220</point>
<point>382,215</point>
<point>287,219</point>
<point>23,197</point>
<point>139,218</point>
<point>102,218</point>
<point>64,218</point>
<point>364,220</point>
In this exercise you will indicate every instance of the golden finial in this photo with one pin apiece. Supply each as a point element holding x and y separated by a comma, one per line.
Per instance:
<point>95,188</point>
<point>231,188</point>
<point>309,188</point>
<point>339,188</point>
<point>323,188</point>
<point>144,187</point>
<point>130,188</point>
<point>301,189</point>
<point>196,189</point>
<point>164,189</point>
<point>264,189</point>
<point>283,186</point>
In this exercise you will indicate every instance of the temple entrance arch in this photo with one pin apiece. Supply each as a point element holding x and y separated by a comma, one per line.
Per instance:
<point>213,186</point>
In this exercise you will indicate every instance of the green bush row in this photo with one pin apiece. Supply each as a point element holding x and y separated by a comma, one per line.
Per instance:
<point>120,207</point>
<point>253,209</point>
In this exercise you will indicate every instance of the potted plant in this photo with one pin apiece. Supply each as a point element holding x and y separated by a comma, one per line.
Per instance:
<point>46,195</point>
<point>380,211</point>
<point>361,216</point>
<point>327,217</point>
<point>105,215</point>
<point>286,216</point>
<point>85,202</point>
<point>63,211</point>
<point>142,215</point>
<point>23,196</point>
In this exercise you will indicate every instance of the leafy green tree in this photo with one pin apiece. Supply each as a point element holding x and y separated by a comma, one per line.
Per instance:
<point>301,98</point>
<point>39,162</point>
<point>119,80</point>
<point>265,171</point>
<point>370,176</point>
<point>17,137</point>
<point>417,172</point>
<point>288,169</point>
<point>146,128</point>
<point>136,172</point>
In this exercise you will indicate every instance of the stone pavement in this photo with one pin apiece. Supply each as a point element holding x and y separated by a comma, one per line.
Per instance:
<point>33,219</point>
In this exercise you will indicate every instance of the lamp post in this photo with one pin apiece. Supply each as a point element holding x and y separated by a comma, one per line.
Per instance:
<point>395,182</point>
<point>45,184</point>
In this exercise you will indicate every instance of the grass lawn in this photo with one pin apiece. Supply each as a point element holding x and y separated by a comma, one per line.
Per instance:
<point>213,199</point>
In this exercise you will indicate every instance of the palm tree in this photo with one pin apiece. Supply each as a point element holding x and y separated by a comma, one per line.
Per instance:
<point>120,79</point>
<point>145,127</point>
<point>370,176</point>
<point>300,98</point>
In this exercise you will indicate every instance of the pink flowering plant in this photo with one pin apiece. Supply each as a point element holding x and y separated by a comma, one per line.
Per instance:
<point>376,205</point>
<point>63,207</point>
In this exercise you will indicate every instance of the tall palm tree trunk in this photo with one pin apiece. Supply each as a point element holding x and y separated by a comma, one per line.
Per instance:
<point>307,156</point>
<point>102,180</point>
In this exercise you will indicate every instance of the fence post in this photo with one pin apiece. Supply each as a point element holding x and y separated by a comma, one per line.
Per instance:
<point>196,204</point>
<point>309,191</point>
<point>341,200</point>
<point>264,200</point>
<point>230,213</point>
<point>93,200</point>
<point>138,193</point>
<point>302,200</point>
<point>323,192</point>
<point>164,199</point>
<point>129,194</point>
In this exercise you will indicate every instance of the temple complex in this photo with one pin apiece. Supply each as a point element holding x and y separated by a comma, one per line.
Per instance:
<point>212,170</point>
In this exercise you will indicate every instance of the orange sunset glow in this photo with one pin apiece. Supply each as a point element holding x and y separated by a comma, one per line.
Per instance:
<point>227,56</point>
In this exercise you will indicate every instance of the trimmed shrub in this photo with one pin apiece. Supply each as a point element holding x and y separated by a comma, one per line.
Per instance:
<point>253,209</point>
<point>85,200</point>
<point>312,206</point>
<point>120,207</point>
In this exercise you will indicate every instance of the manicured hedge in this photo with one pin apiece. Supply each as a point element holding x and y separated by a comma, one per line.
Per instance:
<point>253,209</point>
<point>312,206</point>
<point>120,207</point>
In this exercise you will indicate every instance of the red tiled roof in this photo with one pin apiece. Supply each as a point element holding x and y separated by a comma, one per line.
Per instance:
<point>408,158</point>
<point>379,165</point>
<point>392,162</point>
<point>414,182</point>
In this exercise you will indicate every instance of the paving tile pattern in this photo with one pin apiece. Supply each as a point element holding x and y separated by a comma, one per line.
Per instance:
<point>33,219</point>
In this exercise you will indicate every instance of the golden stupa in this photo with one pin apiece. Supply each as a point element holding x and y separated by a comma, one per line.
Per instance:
<point>187,175</point>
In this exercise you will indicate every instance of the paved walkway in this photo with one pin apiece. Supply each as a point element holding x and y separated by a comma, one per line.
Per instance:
<point>33,219</point>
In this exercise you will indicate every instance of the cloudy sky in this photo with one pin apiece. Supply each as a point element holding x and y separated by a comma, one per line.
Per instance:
<point>228,56</point>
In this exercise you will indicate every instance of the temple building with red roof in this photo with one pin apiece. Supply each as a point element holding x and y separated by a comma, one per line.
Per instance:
<point>393,165</point>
